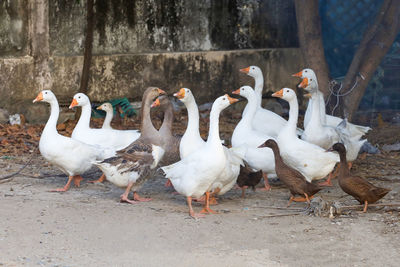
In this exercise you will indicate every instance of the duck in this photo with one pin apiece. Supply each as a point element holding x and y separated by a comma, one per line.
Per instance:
<point>135,164</point>
<point>293,179</point>
<point>71,156</point>
<point>111,138</point>
<point>265,121</point>
<point>245,134</point>
<point>356,186</point>
<point>108,108</point>
<point>309,159</point>
<point>192,141</point>
<point>248,178</point>
<point>315,131</point>
<point>355,130</point>
<point>194,175</point>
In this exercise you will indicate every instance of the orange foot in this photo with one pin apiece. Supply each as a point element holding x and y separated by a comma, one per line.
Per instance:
<point>140,199</point>
<point>265,188</point>
<point>196,215</point>
<point>125,199</point>
<point>326,183</point>
<point>208,210</point>
<point>63,189</point>
<point>77,180</point>
<point>213,201</point>
<point>201,199</point>
<point>100,180</point>
<point>66,186</point>
<point>168,183</point>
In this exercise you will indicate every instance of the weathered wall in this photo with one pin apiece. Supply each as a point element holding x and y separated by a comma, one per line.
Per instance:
<point>124,26</point>
<point>208,74</point>
<point>170,44</point>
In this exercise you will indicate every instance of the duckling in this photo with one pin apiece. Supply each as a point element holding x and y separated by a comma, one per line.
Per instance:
<point>356,186</point>
<point>248,178</point>
<point>293,179</point>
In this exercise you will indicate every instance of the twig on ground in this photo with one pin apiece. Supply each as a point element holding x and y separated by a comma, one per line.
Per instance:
<point>371,205</point>
<point>277,208</point>
<point>279,215</point>
<point>20,170</point>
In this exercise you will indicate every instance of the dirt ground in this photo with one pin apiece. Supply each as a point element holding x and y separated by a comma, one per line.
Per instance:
<point>88,226</point>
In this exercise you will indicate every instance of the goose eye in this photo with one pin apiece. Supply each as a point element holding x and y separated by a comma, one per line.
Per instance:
<point>287,91</point>
<point>306,71</point>
<point>45,93</point>
<point>224,98</point>
<point>310,80</point>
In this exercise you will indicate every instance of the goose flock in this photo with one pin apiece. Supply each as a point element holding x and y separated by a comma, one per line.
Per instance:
<point>264,145</point>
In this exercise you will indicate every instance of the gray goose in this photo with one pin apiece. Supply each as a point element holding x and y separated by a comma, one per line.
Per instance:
<point>135,164</point>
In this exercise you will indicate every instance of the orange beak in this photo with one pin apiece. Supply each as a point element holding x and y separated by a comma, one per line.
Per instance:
<point>236,92</point>
<point>161,92</point>
<point>156,103</point>
<point>278,94</point>
<point>180,94</point>
<point>245,70</point>
<point>99,107</point>
<point>304,83</point>
<point>232,100</point>
<point>299,74</point>
<point>38,98</point>
<point>74,103</point>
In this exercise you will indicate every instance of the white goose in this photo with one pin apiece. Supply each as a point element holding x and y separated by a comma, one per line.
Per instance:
<point>316,132</point>
<point>71,156</point>
<point>108,108</point>
<point>264,121</point>
<point>245,135</point>
<point>115,139</point>
<point>194,175</point>
<point>311,160</point>
<point>191,141</point>
<point>355,130</point>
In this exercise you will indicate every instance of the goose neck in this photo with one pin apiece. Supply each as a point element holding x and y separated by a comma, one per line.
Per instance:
<point>84,120</point>
<point>146,126</point>
<point>51,125</point>
<point>108,119</point>
<point>293,115</point>
<point>213,134</point>
<point>193,117</point>
<point>251,107</point>
<point>315,119</point>
<point>258,88</point>
<point>165,128</point>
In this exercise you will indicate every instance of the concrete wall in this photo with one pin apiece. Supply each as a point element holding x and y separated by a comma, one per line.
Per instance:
<point>170,44</point>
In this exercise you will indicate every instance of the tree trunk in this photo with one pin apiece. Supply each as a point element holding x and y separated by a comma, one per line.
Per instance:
<point>310,38</point>
<point>377,40</point>
<point>88,47</point>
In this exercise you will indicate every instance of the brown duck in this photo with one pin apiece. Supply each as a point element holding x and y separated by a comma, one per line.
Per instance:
<point>293,179</point>
<point>356,186</point>
<point>248,178</point>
